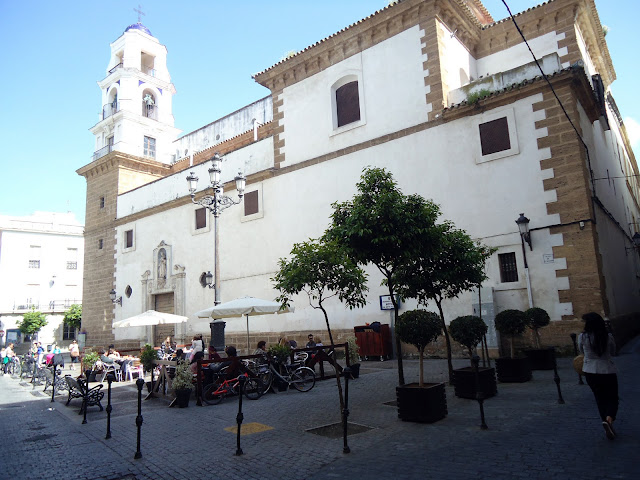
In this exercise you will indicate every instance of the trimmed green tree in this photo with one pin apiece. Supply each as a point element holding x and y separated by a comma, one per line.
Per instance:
<point>455,265</point>
<point>73,316</point>
<point>322,270</point>
<point>512,323</point>
<point>468,331</point>
<point>382,226</point>
<point>537,318</point>
<point>32,322</point>
<point>419,328</point>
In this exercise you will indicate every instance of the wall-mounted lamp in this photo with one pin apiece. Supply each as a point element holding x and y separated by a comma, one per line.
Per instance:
<point>523,226</point>
<point>114,298</point>
<point>636,242</point>
<point>207,280</point>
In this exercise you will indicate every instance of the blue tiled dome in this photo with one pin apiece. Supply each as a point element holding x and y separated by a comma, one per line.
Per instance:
<point>138,26</point>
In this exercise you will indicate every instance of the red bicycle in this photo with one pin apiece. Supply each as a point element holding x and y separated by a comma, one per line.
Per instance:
<point>216,391</point>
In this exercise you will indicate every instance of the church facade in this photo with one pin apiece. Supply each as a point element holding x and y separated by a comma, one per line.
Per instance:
<point>449,101</point>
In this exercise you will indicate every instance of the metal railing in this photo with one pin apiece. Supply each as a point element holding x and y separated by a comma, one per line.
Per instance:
<point>115,68</point>
<point>102,152</point>
<point>110,109</point>
<point>150,111</point>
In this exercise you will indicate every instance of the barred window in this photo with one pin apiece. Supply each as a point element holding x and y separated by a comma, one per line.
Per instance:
<point>508,267</point>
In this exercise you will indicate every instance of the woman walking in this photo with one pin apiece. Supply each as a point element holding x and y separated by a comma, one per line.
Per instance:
<point>598,346</point>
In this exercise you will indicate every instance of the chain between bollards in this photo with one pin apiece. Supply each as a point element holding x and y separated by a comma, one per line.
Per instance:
<point>139,384</point>
<point>575,353</point>
<point>110,378</point>
<point>475,360</point>
<point>556,377</point>
<point>345,411</point>
<point>240,416</point>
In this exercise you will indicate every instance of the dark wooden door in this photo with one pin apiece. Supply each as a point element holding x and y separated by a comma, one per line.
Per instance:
<point>164,304</point>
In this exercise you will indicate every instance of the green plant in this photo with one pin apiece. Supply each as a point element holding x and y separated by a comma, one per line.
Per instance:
<point>419,328</point>
<point>475,97</point>
<point>537,318</point>
<point>147,356</point>
<point>280,352</point>
<point>468,331</point>
<point>73,316</point>
<point>511,323</point>
<point>32,322</point>
<point>89,360</point>
<point>353,351</point>
<point>183,379</point>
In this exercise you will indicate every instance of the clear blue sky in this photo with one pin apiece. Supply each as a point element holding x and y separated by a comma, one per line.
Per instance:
<point>55,52</point>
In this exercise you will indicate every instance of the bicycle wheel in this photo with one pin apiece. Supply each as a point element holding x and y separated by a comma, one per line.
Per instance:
<point>266,378</point>
<point>210,396</point>
<point>303,379</point>
<point>253,388</point>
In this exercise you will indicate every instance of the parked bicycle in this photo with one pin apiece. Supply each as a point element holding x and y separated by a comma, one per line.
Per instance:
<point>221,387</point>
<point>295,375</point>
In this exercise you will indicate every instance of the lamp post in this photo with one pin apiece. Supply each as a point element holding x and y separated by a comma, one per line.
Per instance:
<point>215,203</point>
<point>525,236</point>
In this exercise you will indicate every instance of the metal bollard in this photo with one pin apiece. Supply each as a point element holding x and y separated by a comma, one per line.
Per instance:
<point>240,416</point>
<point>139,384</point>
<point>53,387</point>
<point>575,353</point>
<point>556,377</point>
<point>345,411</point>
<point>475,360</point>
<point>110,378</point>
<point>85,398</point>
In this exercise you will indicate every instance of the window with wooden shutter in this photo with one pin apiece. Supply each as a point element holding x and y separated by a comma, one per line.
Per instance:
<point>251,205</point>
<point>494,136</point>
<point>348,103</point>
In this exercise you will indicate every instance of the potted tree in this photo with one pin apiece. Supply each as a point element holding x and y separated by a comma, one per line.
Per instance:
<point>468,331</point>
<point>511,369</point>
<point>420,402</point>
<point>353,351</point>
<point>89,360</point>
<point>182,384</point>
<point>147,356</point>
<point>539,358</point>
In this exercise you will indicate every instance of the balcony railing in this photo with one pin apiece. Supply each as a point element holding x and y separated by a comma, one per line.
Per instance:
<point>150,111</point>
<point>102,152</point>
<point>115,68</point>
<point>110,109</point>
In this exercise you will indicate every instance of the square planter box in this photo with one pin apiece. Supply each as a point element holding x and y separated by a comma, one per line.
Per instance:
<point>425,404</point>
<point>513,370</point>
<point>541,359</point>
<point>464,380</point>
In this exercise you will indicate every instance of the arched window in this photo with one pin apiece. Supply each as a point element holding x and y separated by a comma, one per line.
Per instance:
<point>149,107</point>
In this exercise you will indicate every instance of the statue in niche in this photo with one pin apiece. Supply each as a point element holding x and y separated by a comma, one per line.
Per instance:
<point>162,267</point>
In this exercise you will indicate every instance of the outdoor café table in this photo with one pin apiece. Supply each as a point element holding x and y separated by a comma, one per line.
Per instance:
<point>163,380</point>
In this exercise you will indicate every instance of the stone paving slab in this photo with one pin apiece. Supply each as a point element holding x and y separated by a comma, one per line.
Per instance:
<point>530,435</point>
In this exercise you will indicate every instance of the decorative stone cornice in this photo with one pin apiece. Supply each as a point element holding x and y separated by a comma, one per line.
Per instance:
<point>115,160</point>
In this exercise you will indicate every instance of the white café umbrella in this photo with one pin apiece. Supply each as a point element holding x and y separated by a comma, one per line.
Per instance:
<point>150,317</point>
<point>243,306</point>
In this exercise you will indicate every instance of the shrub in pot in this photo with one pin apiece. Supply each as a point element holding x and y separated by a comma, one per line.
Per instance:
<point>539,358</point>
<point>512,323</point>
<point>421,402</point>
<point>182,384</point>
<point>468,331</point>
<point>89,360</point>
<point>353,351</point>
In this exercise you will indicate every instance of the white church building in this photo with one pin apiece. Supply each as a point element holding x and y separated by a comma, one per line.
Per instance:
<point>449,101</point>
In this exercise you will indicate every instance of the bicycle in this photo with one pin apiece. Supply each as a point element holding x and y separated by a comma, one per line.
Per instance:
<point>216,391</point>
<point>300,377</point>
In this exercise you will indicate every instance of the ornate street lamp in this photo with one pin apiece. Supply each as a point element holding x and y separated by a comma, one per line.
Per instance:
<point>215,203</point>
<point>525,236</point>
<point>523,226</point>
<point>114,298</point>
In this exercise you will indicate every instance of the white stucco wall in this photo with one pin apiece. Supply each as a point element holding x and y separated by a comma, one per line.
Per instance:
<point>458,65</point>
<point>393,97</point>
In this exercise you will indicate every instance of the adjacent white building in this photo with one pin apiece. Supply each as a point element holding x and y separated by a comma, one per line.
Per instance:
<point>41,266</point>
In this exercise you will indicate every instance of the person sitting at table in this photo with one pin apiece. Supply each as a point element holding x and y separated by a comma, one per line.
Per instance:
<point>213,353</point>
<point>104,358</point>
<point>178,356</point>
<point>112,353</point>
<point>193,366</point>
<point>262,351</point>
<point>310,343</point>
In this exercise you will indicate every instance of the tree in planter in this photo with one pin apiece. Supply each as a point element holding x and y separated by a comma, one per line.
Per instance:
<point>382,226</point>
<point>468,331</point>
<point>419,328</point>
<point>455,265</point>
<point>147,356</point>
<point>73,316</point>
<point>537,318</point>
<point>512,323</point>
<point>32,322</point>
<point>322,270</point>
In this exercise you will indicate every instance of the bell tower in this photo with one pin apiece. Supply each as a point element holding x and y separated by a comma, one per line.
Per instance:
<point>136,116</point>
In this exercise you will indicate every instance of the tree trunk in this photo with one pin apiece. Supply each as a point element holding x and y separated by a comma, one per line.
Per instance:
<point>537,338</point>
<point>326,319</point>
<point>447,339</point>
<point>421,351</point>
<point>511,344</point>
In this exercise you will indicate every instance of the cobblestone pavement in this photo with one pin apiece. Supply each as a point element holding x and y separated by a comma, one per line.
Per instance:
<point>530,435</point>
